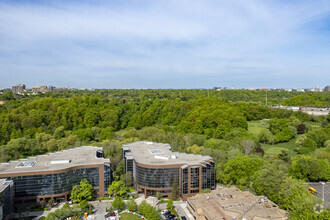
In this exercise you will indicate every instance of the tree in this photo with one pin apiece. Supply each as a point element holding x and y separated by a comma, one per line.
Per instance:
<point>83,204</point>
<point>118,203</point>
<point>195,149</point>
<point>131,205</point>
<point>309,168</point>
<point>241,170</point>
<point>127,178</point>
<point>284,155</point>
<point>265,136</point>
<point>117,188</point>
<point>175,190</point>
<point>159,195</point>
<point>248,146</point>
<point>169,205</point>
<point>84,191</point>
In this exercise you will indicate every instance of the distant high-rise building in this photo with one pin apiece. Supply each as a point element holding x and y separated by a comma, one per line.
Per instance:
<point>51,88</point>
<point>43,88</point>
<point>18,89</point>
<point>327,89</point>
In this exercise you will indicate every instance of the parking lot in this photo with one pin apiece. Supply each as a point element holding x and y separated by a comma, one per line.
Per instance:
<point>318,187</point>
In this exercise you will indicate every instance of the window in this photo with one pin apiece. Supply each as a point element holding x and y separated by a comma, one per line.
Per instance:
<point>194,177</point>
<point>156,178</point>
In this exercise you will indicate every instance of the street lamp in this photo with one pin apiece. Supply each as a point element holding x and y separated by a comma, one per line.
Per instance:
<point>323,185</point>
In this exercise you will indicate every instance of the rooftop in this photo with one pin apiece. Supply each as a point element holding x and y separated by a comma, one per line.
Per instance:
<point>152,153</point>
<point>85,155</point>
<point>4,183</point>
<point>234,203</point>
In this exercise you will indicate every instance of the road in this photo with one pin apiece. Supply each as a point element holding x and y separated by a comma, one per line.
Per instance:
<point>308,110</point>
<point>318,187</point>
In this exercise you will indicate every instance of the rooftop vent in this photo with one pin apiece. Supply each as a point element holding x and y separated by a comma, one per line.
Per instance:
<point>26,164</point>
<point>162,157</point>
<point>60,161</point>
<point>156,151</point>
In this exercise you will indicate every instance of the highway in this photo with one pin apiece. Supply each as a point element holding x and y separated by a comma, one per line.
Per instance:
<point>308,110</point>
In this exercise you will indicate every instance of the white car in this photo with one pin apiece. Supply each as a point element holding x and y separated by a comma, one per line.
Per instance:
<point>163,212</point>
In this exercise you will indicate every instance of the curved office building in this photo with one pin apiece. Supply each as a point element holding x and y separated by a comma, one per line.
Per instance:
<point>53,175</point>
<point>155,168</point>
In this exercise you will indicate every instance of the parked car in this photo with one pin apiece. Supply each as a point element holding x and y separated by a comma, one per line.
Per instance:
<point>110,214</point>
<point>183,218</point>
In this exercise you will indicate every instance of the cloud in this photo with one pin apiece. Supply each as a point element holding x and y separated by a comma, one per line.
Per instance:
<point>146,43</point>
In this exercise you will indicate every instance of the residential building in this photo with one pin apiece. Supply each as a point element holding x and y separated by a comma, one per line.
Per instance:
<point>327,89</point>
<point>53,175</point>
<point>18,89</point>
<point>2,102</point>
<point>6,199</point>
<point>155,168</point>
<point>232,203</point>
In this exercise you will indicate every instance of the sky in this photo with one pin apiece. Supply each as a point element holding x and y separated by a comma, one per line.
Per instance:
<point>165,43</point>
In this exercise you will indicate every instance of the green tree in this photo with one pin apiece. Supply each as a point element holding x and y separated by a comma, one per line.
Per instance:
<point>195,149</point>
<point>83,204</point>
<point>241,170</point>
<point>131,205</point>
<point>118,189</point>
<point>264,136</point>
<point>175,190</point>
<point>81,192</point>
<point>118,203</point>
<point>309,168</point>
<point>169,205</point>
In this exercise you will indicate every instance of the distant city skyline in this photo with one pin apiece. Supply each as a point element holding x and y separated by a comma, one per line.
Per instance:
<point>165,44</point>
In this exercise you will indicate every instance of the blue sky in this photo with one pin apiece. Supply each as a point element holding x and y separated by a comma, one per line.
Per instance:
<point>165,43</point>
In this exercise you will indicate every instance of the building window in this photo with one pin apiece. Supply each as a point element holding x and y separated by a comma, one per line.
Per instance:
<point>194,177</point>
<point>194,191</point>
<point>184,180</point>
<point>156,178</point>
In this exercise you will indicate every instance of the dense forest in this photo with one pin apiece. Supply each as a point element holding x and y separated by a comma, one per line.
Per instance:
<point>268,151</point>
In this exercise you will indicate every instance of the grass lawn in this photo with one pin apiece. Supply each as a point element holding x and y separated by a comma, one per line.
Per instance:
<point>254,127</point>
<point>276,148</point>
<point>128,216</point>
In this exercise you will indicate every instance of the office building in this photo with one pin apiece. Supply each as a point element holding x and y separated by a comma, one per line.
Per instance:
<point>6,199</point>
<point>232,203</point>
<point>155,168</point>
<point>53,175</point>
<point>18,89</point>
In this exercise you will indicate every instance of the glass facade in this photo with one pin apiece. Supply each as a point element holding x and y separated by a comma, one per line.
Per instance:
<point>208,176</point>
<point>50,184</point>
<point>156,178</point>
<point>194,177</point>
<point>107,176</point>
<point>184,184</point>
<point>5,205</point>
<point>129,165</point>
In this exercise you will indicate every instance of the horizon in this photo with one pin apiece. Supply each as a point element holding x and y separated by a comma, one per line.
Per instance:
<point>165,44</point>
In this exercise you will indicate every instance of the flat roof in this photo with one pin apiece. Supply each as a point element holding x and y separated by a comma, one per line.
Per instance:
<point>85,155</point>
<point>234,203</point>
<point>151,153</point>
<point>4,184</point>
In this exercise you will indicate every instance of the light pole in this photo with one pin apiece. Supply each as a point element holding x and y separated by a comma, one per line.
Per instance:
<point>323,185</point>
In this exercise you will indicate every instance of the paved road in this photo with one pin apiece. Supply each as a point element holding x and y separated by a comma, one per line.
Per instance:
<point>318,187</point>
<point>101,209</point>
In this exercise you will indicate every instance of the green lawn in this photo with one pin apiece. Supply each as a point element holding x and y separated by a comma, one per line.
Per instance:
<point>254,127</point>
<point>128,216</point>
<point>276,148</point>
